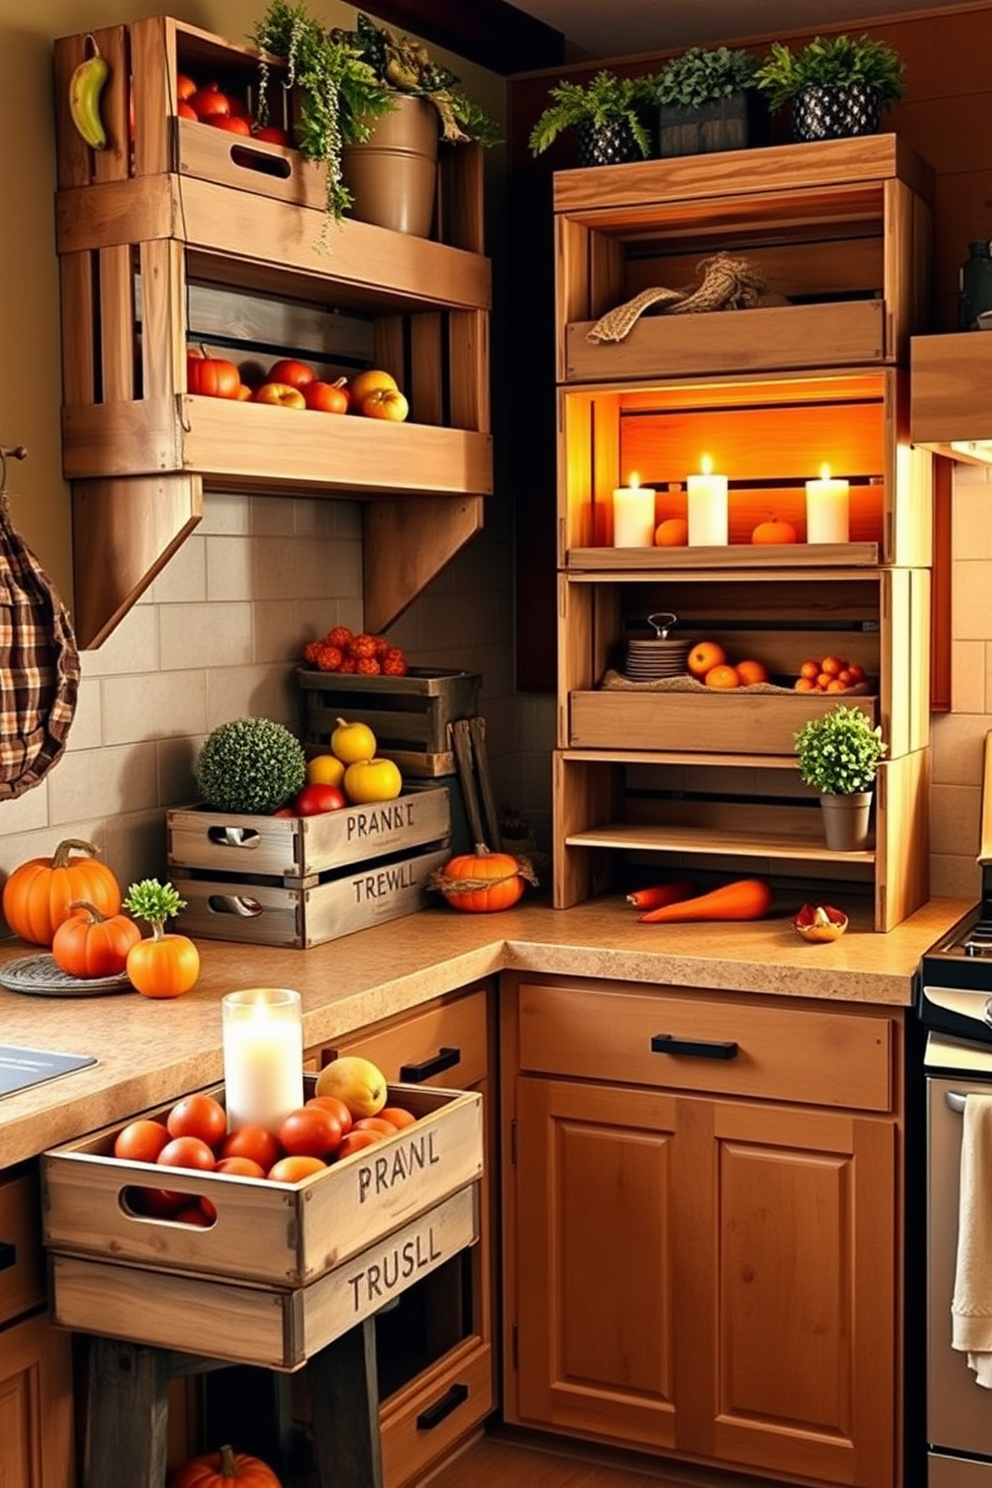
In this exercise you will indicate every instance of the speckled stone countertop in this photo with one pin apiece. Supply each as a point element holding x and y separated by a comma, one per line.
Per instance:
<point>149,1052</point>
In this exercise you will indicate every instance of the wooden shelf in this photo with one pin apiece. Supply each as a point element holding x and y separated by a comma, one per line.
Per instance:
<point>702,842</point>
<point>791,556</point>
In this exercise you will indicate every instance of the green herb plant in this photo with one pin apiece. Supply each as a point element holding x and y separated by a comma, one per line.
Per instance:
<point>153,902</point>
<point>831,61</point>
<point>606,99</point>
<point>838,753</point>
<point>704,75</point>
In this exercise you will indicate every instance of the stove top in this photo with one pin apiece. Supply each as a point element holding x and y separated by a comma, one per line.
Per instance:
<point>956,978</point>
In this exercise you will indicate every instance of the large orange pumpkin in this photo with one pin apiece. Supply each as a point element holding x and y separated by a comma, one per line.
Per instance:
<point>37,895</point>
<point>483,881</point>
<point>221,1469</point>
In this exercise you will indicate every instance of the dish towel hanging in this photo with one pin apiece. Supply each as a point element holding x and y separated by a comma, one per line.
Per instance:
<point>971,1304</point>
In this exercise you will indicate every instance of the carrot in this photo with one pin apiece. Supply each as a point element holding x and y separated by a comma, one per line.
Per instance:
<point>744,899</point>
<point>659,894</point>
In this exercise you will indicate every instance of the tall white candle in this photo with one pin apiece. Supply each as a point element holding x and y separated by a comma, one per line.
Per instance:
<point>633,515</point>
<point>707,506</point>
<point>263,1056</point>
<point>827,509</point>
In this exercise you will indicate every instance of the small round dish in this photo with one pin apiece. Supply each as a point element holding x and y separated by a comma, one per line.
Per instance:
<point>41,976</point>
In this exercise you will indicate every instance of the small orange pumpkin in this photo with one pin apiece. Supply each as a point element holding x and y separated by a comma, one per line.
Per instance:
<point>776,530</point>
<point>90,944</point>
<point>483,881</point>
<point>222,1469</point>
<point>37,895</point>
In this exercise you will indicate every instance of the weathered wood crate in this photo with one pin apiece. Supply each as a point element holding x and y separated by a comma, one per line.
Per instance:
<point>300,881</point>
<point>409,715</point>
<point>284,1268</point>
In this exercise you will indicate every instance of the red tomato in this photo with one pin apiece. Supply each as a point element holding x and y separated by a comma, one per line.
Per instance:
<point>336,1104</point>
<point>254,1142</point>
<point>185,110</point>
<point>186,1152</point>
<point>296,374</point>
<point>157,1203</point>
<point>233,123</point>
<point>198,1115</point>
<point>140,1141</point>
<point>354,1141</point>
<point>209,101</point>
<point>327,397</point>
<point>240,1167</point>
<point>185,86</point>
<point>193,1214</point>
<point>314,800</point>
<point>375,1124</point>
<point>398,1116</point>
<point>311,1131</point>
<point>293,1169</point>
<point>272,134</point>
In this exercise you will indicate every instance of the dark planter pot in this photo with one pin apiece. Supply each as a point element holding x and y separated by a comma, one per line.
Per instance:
<point>607,144</point>
<point>732,123</point>
<point>835,112</point>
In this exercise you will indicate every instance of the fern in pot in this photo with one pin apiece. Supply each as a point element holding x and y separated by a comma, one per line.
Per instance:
<point>838,755</point>
<point>608,114</point>
<point>836,86</point>
<point>707,101</point>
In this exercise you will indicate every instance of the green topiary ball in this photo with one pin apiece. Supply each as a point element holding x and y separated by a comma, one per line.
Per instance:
<point>250,765</point>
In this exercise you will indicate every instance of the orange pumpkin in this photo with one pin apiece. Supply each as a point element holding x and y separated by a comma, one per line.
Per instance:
<point>37,895</point>
<point>483,881</point>
<point>776,530</point>
<point>221,1469</point>
<point>90,944</point>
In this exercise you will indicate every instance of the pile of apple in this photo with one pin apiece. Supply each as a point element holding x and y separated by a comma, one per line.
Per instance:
<point>350,775</point>
<point>290,383</point>
<point>829,674</point>
<point>346,1113</point>
<point>207,103</point>
<point>342,650</point>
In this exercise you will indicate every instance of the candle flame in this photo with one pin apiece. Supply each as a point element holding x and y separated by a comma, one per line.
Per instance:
<point>706,465</point>
<point>633,480</point>
<point>824,472</point>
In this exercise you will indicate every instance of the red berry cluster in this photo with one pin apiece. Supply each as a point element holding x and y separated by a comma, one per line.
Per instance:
<point>344,650</point>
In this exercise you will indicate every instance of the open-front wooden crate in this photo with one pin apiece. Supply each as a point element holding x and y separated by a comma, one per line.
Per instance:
<point>284,1268</point>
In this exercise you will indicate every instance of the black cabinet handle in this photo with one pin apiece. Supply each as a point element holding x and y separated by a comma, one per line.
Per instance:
<point>8,1255</point>
<point>435,1414</point>
<point>415,1074</point>
<point>667,1043</point>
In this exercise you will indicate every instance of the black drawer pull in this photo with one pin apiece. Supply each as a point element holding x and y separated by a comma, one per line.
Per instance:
<point>435,1414</point>
<point>415,1074</point>
<point>8,1255</point>
<point>666,1043</point>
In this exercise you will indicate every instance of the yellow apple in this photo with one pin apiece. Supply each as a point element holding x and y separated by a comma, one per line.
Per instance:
<point>325,769</point>
<point>364,383</point>
<point>386,403</point>
<point>356,1081</point>
<point>352,742</point>
<point>281,394</point>
<point>372,780</point>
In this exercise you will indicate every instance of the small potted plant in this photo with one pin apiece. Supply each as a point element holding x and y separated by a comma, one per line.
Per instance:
<point>707,101</point>
<point>608,115</point>
<point>837,86</point>
<point>838,755</point>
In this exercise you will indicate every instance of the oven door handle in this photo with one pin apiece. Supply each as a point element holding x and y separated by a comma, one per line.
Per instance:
<point>955,1101</point>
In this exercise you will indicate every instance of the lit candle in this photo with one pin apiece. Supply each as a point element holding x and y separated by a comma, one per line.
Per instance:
<point>707,506</point>
<point>827,509</point>
<point>633,515</point>
<point>263,1056</point>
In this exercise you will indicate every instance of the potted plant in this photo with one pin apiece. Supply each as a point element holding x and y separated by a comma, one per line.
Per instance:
<point>608,115</point>
<point>838,755</point>
<point>707,101</point>
<point>837,86</point>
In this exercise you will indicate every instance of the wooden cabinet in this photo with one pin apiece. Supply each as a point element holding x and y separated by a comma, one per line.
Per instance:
<point>700,1226</point>
<point>173,238</point>
<point>950,413</point>
<point>693,780</point>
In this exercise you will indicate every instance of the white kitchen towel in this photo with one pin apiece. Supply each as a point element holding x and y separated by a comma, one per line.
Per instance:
<point>971,1304</point>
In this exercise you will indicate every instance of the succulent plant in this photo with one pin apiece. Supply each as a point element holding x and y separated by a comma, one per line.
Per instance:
<point>250,765</point>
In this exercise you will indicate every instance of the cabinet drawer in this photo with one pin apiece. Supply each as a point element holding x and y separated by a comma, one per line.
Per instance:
<point>779,1051</point>
<point>425,1422</point>
<point>22,1273</point>
<point>444,1044</point>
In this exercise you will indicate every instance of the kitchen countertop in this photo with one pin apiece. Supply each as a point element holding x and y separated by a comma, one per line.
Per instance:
<point>149,1052</point>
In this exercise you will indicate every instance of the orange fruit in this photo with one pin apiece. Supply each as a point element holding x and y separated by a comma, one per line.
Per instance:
<point>295,1168</point>
<point>672,533</point>
<point>857,672</point>
<point>832,665</point>
<point>822,681</point>
<point>722,676</point>
<point>836,685</point>
<point>751,671</point>
<point>776,530</point>
<point>810,669</point>
<point>804,684</point>
<point>704,656</point>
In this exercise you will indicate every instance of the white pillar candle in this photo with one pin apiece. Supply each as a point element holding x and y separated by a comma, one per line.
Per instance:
<point>633,515</point>
<point>827,509</point>
<point>707,507</point>
<point>263,1056</point>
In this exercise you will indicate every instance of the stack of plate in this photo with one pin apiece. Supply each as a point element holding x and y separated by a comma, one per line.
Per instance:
<point>648,660</point>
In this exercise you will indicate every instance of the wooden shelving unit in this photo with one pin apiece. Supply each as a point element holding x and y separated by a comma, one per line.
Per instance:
<point>175,237</point>
<point>648,778</point>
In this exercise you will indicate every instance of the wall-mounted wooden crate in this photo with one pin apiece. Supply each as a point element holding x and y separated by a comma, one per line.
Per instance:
<point>409,715</point>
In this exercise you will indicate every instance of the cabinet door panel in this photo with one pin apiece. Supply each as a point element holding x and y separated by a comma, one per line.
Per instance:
<point>36,1422</point>
<point>595,1270</point>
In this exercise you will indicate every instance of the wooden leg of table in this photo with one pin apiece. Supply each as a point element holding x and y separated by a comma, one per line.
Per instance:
<point>344,1395</point>
<point>127,1416</point>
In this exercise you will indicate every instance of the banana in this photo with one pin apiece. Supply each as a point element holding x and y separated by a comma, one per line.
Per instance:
<point>85,88</point>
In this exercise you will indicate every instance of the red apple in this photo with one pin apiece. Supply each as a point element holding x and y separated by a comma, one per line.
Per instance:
<point>271,134</point>
<point>238,109</point>
<point>210,101</point>
<point>288,370</point>
<point>386,403</point>
<point>279,393</point>
<point>185,86</point>
<point>185,110</point>
<point>327,397</point>
<point>234,124</point>
<point>315,799</point>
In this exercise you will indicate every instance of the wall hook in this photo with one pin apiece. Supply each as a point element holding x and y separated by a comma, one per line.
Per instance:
<point>9,452</point>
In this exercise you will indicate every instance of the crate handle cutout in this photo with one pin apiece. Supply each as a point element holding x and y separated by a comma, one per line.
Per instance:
<point>132,1198</point>
<point>261,161</point>
<point>234,836</point>
<point>235,904</point>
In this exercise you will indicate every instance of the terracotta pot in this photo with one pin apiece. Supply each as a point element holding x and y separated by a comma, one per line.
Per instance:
<point>393,175</point>
<point>845,821</point>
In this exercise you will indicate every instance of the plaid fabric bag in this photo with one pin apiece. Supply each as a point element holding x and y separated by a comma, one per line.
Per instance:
<point>39,666</point>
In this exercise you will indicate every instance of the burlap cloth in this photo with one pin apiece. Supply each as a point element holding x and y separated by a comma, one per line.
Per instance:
<point>617,682</point>
<point>723,283</point>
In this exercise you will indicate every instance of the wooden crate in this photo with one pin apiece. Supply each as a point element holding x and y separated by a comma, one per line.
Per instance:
<point>409,715</point>
<point>277,1234</point>
<point>950,382</point>
<point>273,1327</point>
<point>839,230</point>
